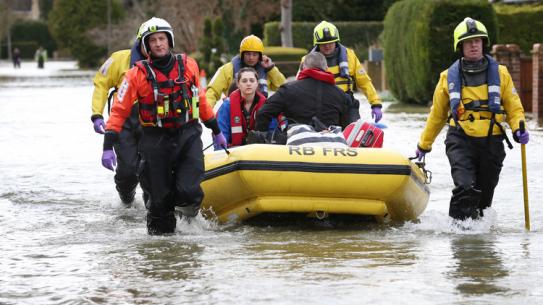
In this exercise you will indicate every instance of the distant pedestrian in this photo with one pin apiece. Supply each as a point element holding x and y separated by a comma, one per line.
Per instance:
<point>40,56</point>
<point>16,58</point>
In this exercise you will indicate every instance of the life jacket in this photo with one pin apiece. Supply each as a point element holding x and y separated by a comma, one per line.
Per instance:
<point>262,75</point>
<point>238,117</point>
<point>454,80</point>
<point>172,104</point>
<point>343,64</point>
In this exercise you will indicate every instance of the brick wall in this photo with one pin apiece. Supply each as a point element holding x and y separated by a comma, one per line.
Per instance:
<point>509,56</point>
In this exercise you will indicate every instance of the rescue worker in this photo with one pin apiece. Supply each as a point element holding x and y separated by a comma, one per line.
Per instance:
<point>312,94</point>
<point>237,114</point>
<point>16,58</point>
<point>251,54</point>
<point>474,96</point>
<point>107,78</point>
<point>171,165</point>
<point>348,72</point>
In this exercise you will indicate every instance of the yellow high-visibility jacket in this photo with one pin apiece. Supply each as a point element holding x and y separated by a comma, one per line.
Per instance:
<point>224,77</point>
<point>474,123</point>
<point>110,75</point>
<point>359,77</point>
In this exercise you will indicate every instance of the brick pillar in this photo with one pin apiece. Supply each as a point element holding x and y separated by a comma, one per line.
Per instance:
<point>509,56</point>
<point>537,88</point>
<point>374,70</point>
<point>384,84</point>
<point>514,63</point>
<point>501,54</point>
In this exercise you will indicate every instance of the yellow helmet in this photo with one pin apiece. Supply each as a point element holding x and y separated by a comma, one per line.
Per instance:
<point>469,28</point>
<point>251,43</point>
<point>325,32</point>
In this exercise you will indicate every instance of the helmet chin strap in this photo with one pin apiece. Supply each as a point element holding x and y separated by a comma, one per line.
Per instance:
<point>476,66</point>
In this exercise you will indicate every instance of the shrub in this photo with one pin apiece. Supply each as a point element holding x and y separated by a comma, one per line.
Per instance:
<point>285,54</point>
<point>287,60</point>
<point>69,21</point>
<point>521,25</point>
<point>27,48</point>
<point>212,46</point>
<point>418,42</point>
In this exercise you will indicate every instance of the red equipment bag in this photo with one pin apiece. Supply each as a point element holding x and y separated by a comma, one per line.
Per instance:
<point>363,134</point>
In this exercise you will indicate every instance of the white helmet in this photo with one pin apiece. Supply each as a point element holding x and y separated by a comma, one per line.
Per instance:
<point>155,25</point>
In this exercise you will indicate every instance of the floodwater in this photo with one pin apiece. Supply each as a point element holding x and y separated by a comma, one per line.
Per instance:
<point>66,239</point>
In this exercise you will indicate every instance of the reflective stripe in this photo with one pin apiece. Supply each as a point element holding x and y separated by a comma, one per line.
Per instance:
<point>494,89</point>
<point>454,95</point>
<point>105,66</point>
<point>344,64</point>
<point>237,129</point>
<point>262,81</point>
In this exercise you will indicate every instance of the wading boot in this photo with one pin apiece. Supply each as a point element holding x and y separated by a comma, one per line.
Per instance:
<point>187,212</point>
<point>465,203</point>
<point>127,197</point>
<point>161,225</point>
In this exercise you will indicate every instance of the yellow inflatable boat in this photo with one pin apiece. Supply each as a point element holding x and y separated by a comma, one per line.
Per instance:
<point>315,181</point>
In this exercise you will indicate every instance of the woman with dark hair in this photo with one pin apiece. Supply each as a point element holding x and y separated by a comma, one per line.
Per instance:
<point>237,114</point>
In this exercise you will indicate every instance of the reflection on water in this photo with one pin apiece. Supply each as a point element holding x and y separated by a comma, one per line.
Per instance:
<point>168,260</point>
<point>325,255</point>
<point>478,265</point>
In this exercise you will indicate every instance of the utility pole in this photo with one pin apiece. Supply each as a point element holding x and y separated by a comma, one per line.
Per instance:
<point>108,27</point>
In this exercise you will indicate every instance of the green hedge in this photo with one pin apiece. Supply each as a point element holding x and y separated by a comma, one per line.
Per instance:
<point>28,35</point>
<point>286,59</point>
<point>285,54</point>
<point>354,34</point>
<point>418,42</point>
<point>521,25</point>
<point>27,49</point>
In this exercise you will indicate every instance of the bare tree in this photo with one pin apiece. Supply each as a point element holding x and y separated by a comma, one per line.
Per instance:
<point>286,23</point>
<point>186,18</point>
<point>248,12</point>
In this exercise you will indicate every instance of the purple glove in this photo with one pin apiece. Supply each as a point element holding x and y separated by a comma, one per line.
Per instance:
<point>109,160</point>
<point>419,154</point>
<point>219,141</point>
<point>99,125</point>
<point>522,138</point>
<point>376,113</point>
